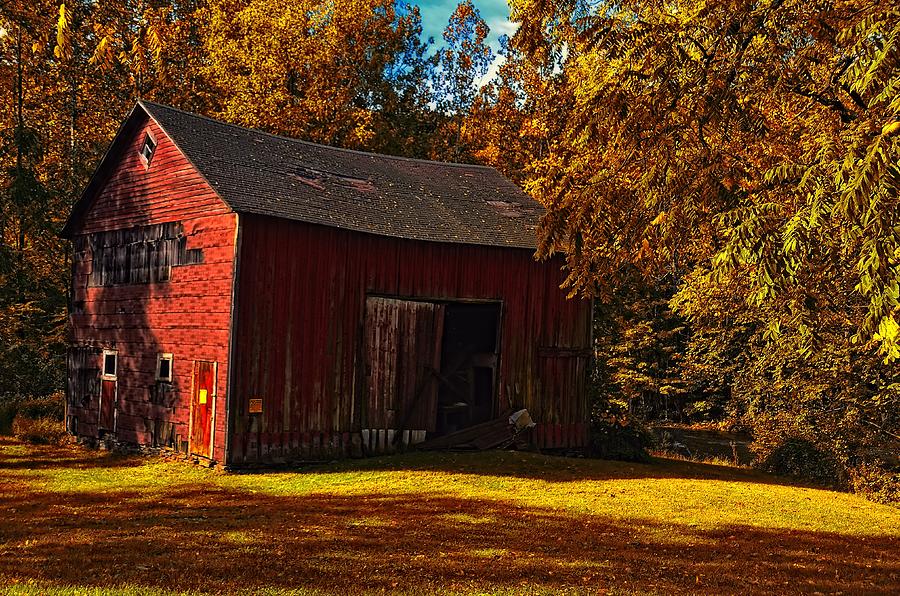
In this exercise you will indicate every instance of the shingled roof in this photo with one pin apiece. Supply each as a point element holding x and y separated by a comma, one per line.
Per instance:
<point>260,173</point>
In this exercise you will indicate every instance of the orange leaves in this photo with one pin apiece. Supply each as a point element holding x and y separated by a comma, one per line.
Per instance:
<point>645,252</point>
<point>103,56</point>
<point>666,119</point>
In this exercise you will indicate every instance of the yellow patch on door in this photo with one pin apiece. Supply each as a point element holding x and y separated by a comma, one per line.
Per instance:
<point>203,396</point>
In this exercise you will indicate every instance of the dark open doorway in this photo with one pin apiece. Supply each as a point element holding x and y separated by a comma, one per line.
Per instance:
<point>469,360</point>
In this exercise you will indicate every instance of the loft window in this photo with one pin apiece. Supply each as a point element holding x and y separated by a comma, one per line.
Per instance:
<point>148,147</point>
<point>164,368</point>
<point>110,363</point>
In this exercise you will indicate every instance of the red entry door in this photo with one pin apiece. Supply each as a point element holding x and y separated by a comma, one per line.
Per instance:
<point>107,421</point>
<point>202,407</point>
<point>106,416</point>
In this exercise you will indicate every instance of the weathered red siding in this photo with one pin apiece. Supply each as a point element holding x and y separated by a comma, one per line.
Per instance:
<point>188,316</point>
<point>299,331</point>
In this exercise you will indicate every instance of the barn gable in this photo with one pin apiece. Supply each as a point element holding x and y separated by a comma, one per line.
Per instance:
<point>125,191</point>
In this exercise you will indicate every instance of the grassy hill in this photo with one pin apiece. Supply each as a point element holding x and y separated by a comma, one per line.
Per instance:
<point>86,522</point>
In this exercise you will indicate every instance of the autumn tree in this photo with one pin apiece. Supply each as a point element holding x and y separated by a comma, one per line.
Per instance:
<point>689,114</point>
<point>31,260</point>
<point>498,129</point>
<point>829,211</point>
<point>747,152</point>
<point>406,123</point>
<point>320,71</point>
<point>460,66</point>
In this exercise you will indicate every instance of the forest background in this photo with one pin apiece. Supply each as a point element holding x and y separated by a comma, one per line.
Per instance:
<point>722,175</point>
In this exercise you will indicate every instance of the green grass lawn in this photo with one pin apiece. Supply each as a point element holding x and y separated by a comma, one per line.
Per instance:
<point>74,521</point>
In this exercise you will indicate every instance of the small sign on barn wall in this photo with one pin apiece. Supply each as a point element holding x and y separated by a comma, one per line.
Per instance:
<point>203,395</point>
<point>255,405</point>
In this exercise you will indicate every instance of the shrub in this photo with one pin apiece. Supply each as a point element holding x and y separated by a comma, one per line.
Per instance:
<point>43,430</point>
<point>800,458</point>
<point>620,438</point>
<point>51,406</point>
<point>14,412</point>
<point>876,483</point>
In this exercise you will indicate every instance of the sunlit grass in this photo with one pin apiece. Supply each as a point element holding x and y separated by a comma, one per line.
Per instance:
<point>495,522</point>
<point>726,496</point>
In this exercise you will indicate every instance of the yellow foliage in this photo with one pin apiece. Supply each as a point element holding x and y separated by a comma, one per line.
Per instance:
<point>63,49</point>
<point>891,129</point>
<point>302,72</point>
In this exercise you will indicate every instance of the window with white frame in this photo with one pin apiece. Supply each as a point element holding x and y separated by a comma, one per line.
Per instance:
<point>110,364</point>
<point>148,147</point>
<point>164,368</point>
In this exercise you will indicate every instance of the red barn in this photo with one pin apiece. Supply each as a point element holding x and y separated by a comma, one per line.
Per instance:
<point>250,298</point>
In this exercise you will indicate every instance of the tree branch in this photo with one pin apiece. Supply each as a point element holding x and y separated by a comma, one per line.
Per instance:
<point>887,432</point>
<point>854,96</point>
<point>834,104</point>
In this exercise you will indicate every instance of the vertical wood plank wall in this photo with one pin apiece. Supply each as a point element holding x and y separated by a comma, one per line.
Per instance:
<point>187,316</point>
<point>299,332</point>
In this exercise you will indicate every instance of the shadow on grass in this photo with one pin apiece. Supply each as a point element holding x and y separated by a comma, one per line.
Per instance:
<point>15,455</point>
<point>517,464</point>
<point>220,540</point>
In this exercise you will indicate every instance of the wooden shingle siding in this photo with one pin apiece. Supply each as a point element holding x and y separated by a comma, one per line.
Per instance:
<point>187,314</point>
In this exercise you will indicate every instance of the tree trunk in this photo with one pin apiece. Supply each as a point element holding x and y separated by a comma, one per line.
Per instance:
<point>20,133</point>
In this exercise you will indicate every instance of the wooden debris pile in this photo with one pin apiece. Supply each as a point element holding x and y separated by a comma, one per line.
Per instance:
<point>494,434</point>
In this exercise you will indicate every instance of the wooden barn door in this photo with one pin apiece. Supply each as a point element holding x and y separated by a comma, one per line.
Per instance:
<point>203,407</point>
<point>403,353</point>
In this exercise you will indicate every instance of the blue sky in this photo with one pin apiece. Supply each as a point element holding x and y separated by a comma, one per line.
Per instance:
<point>495,13</point>
<point>436,12</point>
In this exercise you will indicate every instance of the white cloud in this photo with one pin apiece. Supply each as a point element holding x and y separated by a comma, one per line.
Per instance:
<point>502,26</point>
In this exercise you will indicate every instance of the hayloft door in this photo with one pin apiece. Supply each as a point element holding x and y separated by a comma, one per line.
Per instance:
<point>202,407</point>
<point>403,355</point>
